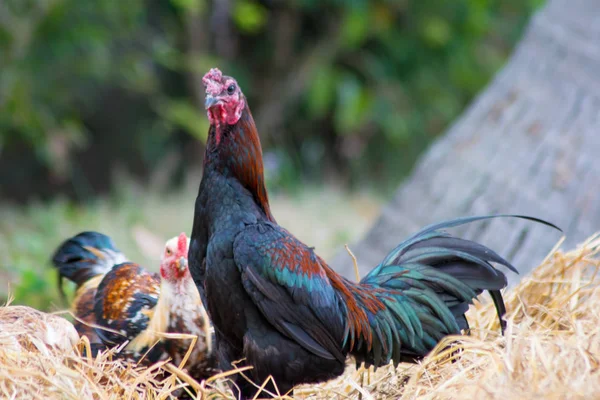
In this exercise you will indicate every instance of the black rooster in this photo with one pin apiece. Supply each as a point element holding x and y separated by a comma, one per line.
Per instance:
<point>278,306</point>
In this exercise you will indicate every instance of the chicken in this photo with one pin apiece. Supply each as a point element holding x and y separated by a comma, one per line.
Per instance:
<point>118,301</point>
<point>280,308</point>
<point>84,259</point>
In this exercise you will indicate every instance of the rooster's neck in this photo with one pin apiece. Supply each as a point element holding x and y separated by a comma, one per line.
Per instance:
<point>235,151</point>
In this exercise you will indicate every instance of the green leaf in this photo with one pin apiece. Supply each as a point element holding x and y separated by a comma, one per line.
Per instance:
<point>479,18</point>
<point>355,27</point>
<point>249,16</point>
<point>191,6</point>
<point>436,31</point>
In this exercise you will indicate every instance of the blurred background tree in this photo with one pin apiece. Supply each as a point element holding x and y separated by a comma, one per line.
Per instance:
<point>527,145</point>
<point>356,89</point>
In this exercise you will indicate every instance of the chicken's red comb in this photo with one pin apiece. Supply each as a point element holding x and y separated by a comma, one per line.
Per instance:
<point>182,244</point>
<point>213,81</point>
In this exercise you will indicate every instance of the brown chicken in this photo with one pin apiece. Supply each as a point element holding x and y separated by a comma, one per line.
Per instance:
<point>119,303</point>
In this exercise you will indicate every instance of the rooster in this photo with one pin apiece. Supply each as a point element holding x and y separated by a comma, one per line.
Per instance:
<point>278,306</point>
<point>118,301</point>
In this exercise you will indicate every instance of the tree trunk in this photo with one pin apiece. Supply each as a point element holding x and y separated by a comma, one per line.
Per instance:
<point>529,144</point>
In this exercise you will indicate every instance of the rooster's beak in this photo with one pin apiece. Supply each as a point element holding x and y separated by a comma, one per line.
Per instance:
<point>210,101</point>
<point>182,264</point>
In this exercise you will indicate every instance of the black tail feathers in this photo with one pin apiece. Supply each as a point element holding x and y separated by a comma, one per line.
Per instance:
<point>84,256</point>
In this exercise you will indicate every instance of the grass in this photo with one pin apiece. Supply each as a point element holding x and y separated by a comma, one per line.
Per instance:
<point>551,350</point>
<point>141,219</point>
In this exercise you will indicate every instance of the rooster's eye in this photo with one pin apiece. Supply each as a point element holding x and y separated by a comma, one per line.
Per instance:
<point>231,89</point>
<point>169,252</point>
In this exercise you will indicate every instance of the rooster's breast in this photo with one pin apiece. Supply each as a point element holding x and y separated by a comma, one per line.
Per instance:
<point>226,298</point>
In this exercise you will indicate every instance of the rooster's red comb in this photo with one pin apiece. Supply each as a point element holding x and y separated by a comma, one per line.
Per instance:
<point>213,81</point>
<point>182,244</point>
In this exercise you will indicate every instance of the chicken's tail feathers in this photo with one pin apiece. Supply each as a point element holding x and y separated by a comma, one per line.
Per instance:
<point>437,229</point>
<point>421,291</point>
<point>84,256</point>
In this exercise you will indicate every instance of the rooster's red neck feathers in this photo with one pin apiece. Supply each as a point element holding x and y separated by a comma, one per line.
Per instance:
<point>233,143</point>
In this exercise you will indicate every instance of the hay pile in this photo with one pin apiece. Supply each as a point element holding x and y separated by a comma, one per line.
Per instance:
<point>551,350</point>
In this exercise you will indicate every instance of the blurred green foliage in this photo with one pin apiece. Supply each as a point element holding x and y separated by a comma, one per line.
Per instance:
<point>354,88</point>
<point>141,219</point>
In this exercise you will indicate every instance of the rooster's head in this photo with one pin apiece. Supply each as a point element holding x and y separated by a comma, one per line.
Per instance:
<point>225,101</point>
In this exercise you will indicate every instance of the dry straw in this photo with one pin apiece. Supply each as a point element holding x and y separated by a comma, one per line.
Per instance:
<point>551,350</point>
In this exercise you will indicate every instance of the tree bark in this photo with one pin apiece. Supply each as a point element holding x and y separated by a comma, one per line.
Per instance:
<point>529,144</point>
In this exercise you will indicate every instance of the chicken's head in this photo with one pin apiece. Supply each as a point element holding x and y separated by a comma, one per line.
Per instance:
<point>225,101</point>
<point>174,265</point>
